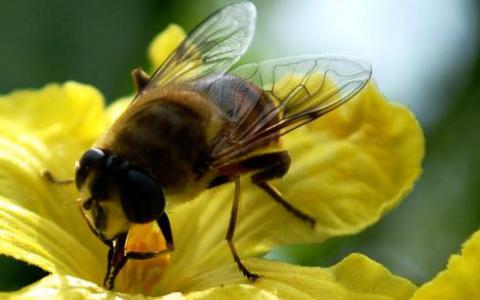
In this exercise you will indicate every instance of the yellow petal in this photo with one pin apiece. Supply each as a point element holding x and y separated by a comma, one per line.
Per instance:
<point>353,165</point>
<point>71,109</point>
<point>39,241</point>
<point>47,129</point>
<point>237,291</point>
<point>356,277</point>
<point>461,279</point>
<point>40,130</point>
<point>64,287</point>
<point>164,44</point>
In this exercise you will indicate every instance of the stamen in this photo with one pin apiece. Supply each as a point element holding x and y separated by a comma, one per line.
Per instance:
<point>141,276</point>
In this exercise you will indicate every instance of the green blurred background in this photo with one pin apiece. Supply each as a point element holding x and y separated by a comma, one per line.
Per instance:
<point>425,54</point>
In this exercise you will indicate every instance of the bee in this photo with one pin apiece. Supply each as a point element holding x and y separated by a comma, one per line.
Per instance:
<point>195,124</point>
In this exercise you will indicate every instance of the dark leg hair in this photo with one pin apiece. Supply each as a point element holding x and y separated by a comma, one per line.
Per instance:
<point>49,177</point>
<point>231,232</point>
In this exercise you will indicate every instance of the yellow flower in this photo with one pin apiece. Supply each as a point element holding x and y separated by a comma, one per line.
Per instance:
<point>349,168</point>
<point>461,279</point>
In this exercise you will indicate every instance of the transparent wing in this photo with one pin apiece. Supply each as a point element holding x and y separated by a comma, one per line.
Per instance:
<point>264,101</point>
<point>211,48</point>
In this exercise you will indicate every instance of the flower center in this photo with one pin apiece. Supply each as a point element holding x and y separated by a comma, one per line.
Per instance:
<point>140,276</point>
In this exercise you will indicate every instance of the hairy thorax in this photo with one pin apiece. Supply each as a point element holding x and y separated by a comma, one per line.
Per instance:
<point>167,133</point>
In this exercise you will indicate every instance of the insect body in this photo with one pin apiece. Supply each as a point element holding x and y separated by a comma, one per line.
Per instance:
<point>194,125</point>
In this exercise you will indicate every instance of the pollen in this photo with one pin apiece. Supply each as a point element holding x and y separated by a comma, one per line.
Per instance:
<point>140,276</point>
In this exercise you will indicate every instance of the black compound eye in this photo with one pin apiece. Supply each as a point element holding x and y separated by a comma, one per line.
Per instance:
<point>142,197</point>
<point>90,159</point>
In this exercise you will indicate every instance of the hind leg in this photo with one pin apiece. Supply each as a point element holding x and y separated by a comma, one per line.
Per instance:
<point>276,166</point>
<point>267,167</point>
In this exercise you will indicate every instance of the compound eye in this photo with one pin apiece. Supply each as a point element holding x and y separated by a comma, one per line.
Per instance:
<point>141,196</point>
<point>91,158</point>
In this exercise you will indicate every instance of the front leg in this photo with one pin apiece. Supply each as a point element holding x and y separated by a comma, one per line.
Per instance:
<point>117,258</point>
<point>50,178</point>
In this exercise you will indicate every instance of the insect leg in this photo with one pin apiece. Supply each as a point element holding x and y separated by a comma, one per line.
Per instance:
<point>219,180</point>
<point>49,177</point>
<point>116,260</point>
<point>277,196</point>
<point>268,166</point>
<point>276,166</point>
<point>231,232</point>
<point>117,257</point>
<point>164,224</point>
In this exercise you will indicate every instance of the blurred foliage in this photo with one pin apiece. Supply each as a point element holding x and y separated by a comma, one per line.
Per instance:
<point>99,42</point>
<point>96,42</point>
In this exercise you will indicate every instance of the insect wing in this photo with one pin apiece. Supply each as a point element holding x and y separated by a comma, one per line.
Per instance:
<point>211,48</point>
<point>300,89</point>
